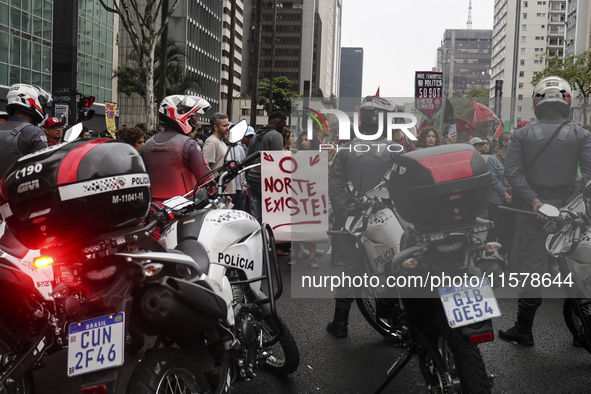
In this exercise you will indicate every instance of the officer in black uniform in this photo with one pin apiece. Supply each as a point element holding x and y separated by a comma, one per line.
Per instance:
<point>20,135</point>
<point>541,167</point>
<point>363,163</point>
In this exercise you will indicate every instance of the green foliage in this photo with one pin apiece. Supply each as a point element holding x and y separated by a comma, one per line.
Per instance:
<point>282,94</point>
<point>478,93</point>
<point>132,79</point>
<point>575,69</point>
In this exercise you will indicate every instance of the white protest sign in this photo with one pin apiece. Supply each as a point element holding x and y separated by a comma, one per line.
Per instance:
<point>295,194</point>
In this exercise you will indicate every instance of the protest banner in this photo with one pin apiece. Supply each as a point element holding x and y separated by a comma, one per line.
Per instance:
<point>110,110</point>
<point>295,194</point>
<point>428,92</point>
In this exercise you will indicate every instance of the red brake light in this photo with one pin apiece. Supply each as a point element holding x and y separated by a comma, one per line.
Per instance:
<point>482,338</point>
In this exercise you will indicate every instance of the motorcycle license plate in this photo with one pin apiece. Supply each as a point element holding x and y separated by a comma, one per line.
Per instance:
<point>469,304</point>
<point>96,344</point>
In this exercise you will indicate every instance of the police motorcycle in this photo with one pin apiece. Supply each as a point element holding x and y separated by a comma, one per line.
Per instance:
<point>238,256</point>
<point>431,232</point>
<point>86,213</point>
<point>569,242</point>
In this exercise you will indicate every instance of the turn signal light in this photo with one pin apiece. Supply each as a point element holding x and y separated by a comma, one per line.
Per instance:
<point>42,262</point>
<point>482,338</point>
<point>492,246</point>
<point>410,263</point>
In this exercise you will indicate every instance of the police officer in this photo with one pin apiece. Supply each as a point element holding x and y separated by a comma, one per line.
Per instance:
<point>174,161</point>
<point>363,163</point>
<point>541,166</point>
<point>19,135</point>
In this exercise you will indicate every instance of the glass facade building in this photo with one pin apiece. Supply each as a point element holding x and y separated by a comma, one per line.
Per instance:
<point>95,50</point>
<point>26,40</point>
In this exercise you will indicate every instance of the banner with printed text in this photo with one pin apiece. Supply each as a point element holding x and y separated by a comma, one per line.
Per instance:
<point>428,92</point>
<point>110,110</point>
<point>295,194</point>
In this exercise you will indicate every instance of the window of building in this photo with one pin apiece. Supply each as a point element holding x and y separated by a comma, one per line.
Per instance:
<point>523,27</point>
<point>525,3</point>
<point>523,38</point>
<point>524,16</point>
<point>521,85</point>
<point>520,96</point>
<point>522,62</point>
<point>521,73</point>
<point>522,51</point>
<point>519,108</point>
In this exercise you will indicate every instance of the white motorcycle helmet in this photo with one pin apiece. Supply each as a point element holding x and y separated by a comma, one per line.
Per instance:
<point>28,98</point>
<point>552,93</point>
<point>177,111</point>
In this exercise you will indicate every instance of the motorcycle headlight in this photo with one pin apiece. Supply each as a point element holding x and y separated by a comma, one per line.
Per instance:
<point>42,262</point>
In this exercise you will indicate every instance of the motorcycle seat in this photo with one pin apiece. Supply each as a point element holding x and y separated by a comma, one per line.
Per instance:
<point>193,248</point>
<point>11,245</point>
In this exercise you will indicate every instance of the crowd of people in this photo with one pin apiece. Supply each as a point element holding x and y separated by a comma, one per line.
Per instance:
<point>179,156</point>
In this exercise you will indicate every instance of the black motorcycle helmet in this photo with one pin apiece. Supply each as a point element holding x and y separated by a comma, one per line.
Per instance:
<point>369,114</point>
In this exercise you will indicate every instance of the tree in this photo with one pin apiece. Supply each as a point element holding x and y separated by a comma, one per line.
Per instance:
<point>282,94</point>
<point>141,27</point>
<point>478,93</point>
<point>576,69</point>
<point>132,79</point>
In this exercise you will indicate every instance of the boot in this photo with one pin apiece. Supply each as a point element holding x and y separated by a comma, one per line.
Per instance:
<point>521,332</point>
<point>338,326</point>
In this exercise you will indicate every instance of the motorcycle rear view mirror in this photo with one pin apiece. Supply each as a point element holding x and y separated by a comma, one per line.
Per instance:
<point>549,211</point>
<point>73,133</point>
<point>237,131</point>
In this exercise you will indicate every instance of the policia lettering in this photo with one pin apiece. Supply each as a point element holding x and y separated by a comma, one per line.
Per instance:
<point>236,261</point>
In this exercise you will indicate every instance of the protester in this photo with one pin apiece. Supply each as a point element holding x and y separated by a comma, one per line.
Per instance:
<point>477,143</point>
<point>54,129</point>
<point>504,229</point>
<point>268,138</point>
<point>428,137</point>
<point>214,149</point>
<point>135,137</point>
<point>399,137</point>
<point>541,167</point>
<point>245,143</point>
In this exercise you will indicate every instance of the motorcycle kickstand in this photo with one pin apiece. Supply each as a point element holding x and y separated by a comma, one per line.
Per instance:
<point>395,369</point>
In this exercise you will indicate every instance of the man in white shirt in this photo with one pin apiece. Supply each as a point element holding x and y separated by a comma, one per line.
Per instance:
<point>214,148</point>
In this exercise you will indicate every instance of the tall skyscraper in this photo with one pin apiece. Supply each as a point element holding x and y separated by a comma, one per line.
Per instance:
<point>522,31</point>
<point>464,57</point>
<point>351,78</point>
<point>578,27</point>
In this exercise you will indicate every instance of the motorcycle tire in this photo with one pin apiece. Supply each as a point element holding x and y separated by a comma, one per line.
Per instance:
<point>574,324</point>
<point>457,360</point>
<point>9,344</point>
<point>369,307</point>
<point>284,357</point>
<point>167,371</point>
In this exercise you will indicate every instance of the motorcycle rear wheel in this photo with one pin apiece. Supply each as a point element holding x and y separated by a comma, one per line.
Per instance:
<point>167,371</point>
<point>574,323</point>
<point>457,367</point>
<point>24,385</point>
<point>282,358</point>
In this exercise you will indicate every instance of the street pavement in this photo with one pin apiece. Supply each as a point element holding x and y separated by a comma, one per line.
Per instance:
<point>358,363</point>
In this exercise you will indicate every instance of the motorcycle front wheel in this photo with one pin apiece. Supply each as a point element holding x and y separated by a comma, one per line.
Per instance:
<point>9,348</point>
<point>382,315</point>
<point>453,366</point>
<point>573,320</point>
<point>167,371</point>
<point>283,357</point>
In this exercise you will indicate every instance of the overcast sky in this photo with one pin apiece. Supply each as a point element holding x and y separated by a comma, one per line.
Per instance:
<point>400,37</point>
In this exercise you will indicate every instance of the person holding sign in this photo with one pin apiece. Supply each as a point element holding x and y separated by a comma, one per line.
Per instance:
<point>266,139</point>
<point>364,165</point>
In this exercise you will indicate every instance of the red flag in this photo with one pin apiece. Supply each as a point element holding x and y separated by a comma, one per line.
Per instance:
<point>465,127</point>
<point>483,114</point>
<point>425,123</point>
<point>378,92</point>
<point>498,132</point>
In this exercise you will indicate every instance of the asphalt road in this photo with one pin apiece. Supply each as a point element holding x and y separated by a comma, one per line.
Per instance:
<point>358,363</point>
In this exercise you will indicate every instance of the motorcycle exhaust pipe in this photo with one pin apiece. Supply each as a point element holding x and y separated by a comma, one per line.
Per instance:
<point>165,305</point>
